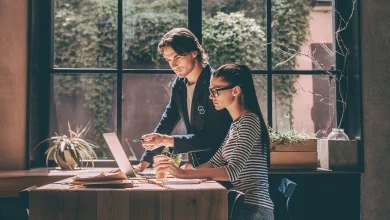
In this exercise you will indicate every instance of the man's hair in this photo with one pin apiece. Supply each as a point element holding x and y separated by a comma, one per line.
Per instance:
<point>183,42</point>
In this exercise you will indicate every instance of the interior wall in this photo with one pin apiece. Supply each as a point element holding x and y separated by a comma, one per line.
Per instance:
<point>375,46</point>
<point>13,78</point>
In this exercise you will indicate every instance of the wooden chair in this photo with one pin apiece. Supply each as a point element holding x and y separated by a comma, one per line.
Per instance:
<point>235,204</point>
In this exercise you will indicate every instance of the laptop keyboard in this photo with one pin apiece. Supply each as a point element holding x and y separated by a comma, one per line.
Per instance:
<point>146,175</point>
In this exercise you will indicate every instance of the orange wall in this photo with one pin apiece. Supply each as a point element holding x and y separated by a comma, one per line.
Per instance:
<point>13,81</point>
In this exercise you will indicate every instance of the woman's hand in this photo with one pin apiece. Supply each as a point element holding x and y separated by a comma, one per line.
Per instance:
<point>164,163</point>
<point>187,166</point>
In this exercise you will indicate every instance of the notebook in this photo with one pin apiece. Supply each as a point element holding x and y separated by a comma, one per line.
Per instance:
<point>112,184</point>
<point>174,181</point>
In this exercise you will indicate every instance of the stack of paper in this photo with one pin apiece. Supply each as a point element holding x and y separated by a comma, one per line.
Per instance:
<point>111,184</point>
<point>115,179</point>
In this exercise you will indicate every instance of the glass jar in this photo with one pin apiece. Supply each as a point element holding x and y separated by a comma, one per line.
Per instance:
<point>322,134</point>
<point>337,134</point>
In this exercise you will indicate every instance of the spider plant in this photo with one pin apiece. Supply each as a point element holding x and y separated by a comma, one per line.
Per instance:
<point>289,136</point>
<point>175,157</point>
<point>69,152</point>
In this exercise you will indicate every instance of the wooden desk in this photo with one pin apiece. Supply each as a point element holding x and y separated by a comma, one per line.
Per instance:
<point>144,202</point>
<point>338,191</point>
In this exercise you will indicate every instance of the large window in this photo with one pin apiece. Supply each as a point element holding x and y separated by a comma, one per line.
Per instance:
<point>105,68</point>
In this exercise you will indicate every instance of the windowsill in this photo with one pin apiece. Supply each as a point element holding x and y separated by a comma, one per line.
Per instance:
<point>13,181</point>
<point>49,172</point>
<point>318,171</point>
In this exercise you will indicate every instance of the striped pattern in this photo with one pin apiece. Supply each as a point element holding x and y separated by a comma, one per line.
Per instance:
<point>244,160</point>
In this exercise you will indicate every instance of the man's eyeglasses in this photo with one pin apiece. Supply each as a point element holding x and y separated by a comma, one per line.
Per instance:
<point>214,92</point>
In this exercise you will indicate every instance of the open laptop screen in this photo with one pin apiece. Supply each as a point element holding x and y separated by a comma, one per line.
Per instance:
<point>119,154</point>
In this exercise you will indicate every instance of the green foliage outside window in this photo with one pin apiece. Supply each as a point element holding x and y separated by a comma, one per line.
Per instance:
<point>85,35</point>
<point>236,39</point>
<point>142,33</point>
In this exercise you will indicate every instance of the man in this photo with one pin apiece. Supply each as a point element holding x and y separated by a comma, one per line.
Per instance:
<point>189,100</point>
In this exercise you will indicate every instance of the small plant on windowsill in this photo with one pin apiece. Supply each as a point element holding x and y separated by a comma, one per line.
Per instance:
<point>175,157</point>
<point>289,137</point>
<point>292,150</point>
<point>69,152</point>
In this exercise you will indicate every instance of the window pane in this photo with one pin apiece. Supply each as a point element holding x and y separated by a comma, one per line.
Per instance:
<point>260,82</point>
<point>85,33</point>
<point>145,97</point>
<point>303,36</point>
<point>144,24</point>
<point>235,32</point>
<point>144,100</point>
<point>79,99</point>
<point>304,102</point>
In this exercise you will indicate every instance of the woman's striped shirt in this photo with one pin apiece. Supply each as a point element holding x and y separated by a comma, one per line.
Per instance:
<point>244,160</point>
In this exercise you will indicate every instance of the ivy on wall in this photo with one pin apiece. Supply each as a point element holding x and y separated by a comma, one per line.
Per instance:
<point>290,29</point>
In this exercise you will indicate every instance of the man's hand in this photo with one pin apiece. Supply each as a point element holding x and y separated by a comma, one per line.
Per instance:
<point>187,166</point>
<point>140,167</point>
<point>155,140</point>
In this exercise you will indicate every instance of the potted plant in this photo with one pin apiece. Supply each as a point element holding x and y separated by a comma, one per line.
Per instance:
<point>69,152</point>
<point>292,150</point>
<point>175,157</point>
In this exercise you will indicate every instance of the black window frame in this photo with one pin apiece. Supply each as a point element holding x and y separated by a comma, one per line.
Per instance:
<point>40,68</point>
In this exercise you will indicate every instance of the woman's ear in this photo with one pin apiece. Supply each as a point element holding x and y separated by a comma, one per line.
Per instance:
<point>194,54</point>
<point>236,91</point>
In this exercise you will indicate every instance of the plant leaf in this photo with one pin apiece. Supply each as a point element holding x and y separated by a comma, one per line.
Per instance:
<point>62,147</point>
<point>47,139</point>
<point>70,131</point>
<point>48,154</point>
<point>86,146</point>
<point>50,149</point>
<point>88,156</point>
<point>74,134</point>
<point>85,128</point>
<point>80,157</point>
<point>62,155</point>
<point>55,156</point>
<point>72,151</point>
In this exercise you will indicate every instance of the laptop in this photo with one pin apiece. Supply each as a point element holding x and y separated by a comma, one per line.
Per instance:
<point>121,158</point>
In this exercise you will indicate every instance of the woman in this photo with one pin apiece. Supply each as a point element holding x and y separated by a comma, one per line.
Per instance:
<point>242,158</point>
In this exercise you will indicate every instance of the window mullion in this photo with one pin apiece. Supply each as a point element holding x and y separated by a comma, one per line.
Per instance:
<point>119,69</point>
<point>269,62</point>
<point>195,18</point>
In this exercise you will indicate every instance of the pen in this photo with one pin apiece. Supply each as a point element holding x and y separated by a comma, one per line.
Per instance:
<point>138,140</point>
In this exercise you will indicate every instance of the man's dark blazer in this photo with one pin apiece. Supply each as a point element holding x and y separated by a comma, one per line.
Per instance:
<point>207,129</point>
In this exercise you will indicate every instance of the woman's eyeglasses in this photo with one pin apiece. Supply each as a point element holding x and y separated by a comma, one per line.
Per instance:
<point>214,92</point>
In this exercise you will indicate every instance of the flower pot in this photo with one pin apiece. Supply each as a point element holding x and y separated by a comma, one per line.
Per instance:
<point>339,154</point>
<point>69,164</point>
<point>297,155</point>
